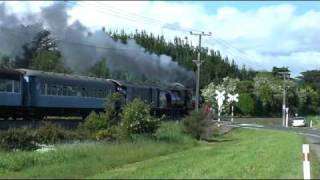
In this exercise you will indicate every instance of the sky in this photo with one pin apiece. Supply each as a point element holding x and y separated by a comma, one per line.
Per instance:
<point>259,34</point>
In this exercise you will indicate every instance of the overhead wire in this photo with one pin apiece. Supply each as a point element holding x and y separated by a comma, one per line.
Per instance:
<point>152,21</point>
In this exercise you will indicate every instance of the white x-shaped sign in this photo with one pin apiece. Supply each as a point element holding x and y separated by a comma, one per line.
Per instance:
<point>233,98</point>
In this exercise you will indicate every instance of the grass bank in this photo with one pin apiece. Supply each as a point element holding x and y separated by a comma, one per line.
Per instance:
<point>248,154</point>
<point>315,121</point>
<point>244,153</point>
<point>87,159</point>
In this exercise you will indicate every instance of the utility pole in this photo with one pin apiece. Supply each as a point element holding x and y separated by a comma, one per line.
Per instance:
<point>284,98</point>
<point>198,63</point>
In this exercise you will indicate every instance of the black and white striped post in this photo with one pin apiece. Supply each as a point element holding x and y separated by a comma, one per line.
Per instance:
<point>306,161</point>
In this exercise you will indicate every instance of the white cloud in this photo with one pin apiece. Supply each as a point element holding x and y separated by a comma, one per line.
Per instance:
<point>270,35</point>
<point>23,7</point>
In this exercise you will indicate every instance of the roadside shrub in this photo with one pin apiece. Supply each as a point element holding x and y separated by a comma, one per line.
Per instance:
<point>95,121</point>
<point>195,124</point>
<point>50,133</point>
<point>136,119</point>
<point>22,138</point>
<point>106,134</point>
<point>246,104</point>
<point>104,120</point>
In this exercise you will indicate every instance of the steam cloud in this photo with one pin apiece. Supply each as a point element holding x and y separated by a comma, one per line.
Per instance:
<point>73,41</point>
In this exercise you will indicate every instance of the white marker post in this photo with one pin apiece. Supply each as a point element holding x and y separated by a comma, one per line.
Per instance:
<point>306,161</point>
<point>287,116</point>
<point>232,113</point>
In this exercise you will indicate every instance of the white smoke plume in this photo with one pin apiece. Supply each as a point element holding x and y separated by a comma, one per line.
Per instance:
<point>81,48</point>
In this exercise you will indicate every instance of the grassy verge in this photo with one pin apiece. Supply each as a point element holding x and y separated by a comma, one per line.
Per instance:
<point>248,154</point>
<point>315,166</point>
<point>87,159</point>
<point>244,153</point>
<point>315,121</point>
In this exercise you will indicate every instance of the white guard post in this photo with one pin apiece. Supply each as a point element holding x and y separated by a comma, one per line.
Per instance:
<point>306,161</point>
<point>287,116</point>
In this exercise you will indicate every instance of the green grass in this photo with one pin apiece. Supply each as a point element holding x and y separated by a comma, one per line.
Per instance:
<point>87,159</point>
<point>315,166</point>
<point>249,154</point>
<point>315,121</point>
<point>243,153</point>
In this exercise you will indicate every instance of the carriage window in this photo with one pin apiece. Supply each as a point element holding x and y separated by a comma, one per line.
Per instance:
<point>7,85</point>
<point>163,99</point>
<point>71,91</point>
<point>44,89</point>
<point>17,86</point>
<point>78,91</point>
<point>54,90</point>
<point>64,91</point>
<point>83,92</point>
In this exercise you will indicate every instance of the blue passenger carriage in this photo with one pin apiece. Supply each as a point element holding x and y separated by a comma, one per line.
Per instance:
<point>54,94</point>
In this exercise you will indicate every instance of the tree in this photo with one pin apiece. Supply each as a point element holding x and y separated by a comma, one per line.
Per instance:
<point>311,78</point>
<point>50,61</point>
<point>100,69</point>
<point>5,62</point>
<point>209,93</point>
<point>41,42</point>
<point>246,104</point>
<point>245,86</point>
<point>276,71</point>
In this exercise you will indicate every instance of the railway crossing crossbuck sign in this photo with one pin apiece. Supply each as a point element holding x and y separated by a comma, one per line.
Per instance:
<point>232,98</point>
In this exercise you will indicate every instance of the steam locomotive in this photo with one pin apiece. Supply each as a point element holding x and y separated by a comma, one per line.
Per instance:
<point>36,94</point>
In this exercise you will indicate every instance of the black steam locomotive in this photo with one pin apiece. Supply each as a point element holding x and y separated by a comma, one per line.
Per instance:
<point>36,94</point>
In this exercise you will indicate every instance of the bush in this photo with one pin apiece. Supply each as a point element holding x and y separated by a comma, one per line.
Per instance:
<point>50,133</point>
<point>195,124</point>
<point>28,139</point>
<point>246,104</point>
<point>106,134</point>
<point>136,119</point>
<point>23,138</point>
<point>104,120</point>
<point>95,121</point>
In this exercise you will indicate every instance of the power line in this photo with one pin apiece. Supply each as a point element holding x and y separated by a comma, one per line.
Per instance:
<point>116,10</point>
<point>129,18</point>
<point>134,18</point>
<point>241,52</point>
<point>230,51</point>
<point>152,21</point>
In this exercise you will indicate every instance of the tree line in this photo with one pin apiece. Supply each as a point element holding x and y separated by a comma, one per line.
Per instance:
<point>260,92</point>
